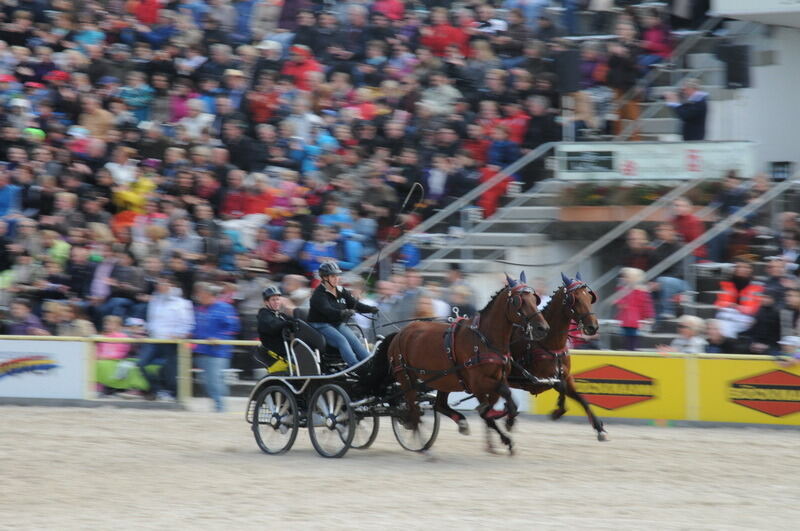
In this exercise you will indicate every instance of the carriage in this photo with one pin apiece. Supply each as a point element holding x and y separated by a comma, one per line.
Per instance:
<point>340,406</point>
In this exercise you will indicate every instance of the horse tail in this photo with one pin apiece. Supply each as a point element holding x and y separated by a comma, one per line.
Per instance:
<point>381,366</point>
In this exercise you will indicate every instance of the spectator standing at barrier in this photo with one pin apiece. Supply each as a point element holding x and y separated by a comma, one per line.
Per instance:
<point>691,107</point>
<point>635,306</point>
<point>739,299</point>
<point>169,316</point>
<point>763,335</point>
<point>716,342</point>
<point>690,339</point>
<point>790,312</point>
<point>23,321</point>
<point>215,319</point>
<point>671,282</point>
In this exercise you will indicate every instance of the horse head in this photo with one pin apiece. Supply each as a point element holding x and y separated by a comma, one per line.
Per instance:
<point>523,308</point>
<point>579,299</point>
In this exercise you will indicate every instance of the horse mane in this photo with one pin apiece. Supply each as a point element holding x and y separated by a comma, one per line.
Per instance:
<point>491,300</point>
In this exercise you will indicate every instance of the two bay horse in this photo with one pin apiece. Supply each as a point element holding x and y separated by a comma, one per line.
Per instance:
<point>548,360</point>
<point>467,355</point>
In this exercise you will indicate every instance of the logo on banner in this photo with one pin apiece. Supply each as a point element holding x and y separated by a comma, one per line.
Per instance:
<point>776,393</point>
<point>35,364</point>
<point>613,387</point>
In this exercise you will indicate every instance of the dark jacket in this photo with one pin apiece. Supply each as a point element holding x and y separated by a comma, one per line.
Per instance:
<point>661,251</point>
<point>693,118</point>
<point>270,326</point>
<point>325,308</point>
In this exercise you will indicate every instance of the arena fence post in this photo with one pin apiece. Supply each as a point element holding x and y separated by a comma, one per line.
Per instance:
<point>184,373</point>
<point>91,369</point>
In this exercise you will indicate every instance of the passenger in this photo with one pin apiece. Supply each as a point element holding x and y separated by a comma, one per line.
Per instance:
<point>271,325</point>
<point>330,309</point>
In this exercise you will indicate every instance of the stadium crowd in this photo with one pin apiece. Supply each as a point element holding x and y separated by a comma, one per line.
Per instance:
<point>754,268</point>
<point>195,137</point>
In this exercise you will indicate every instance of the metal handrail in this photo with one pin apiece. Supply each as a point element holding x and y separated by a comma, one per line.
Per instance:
<point>456,205</point>
<point>631,222</point>
<point>704,238</point>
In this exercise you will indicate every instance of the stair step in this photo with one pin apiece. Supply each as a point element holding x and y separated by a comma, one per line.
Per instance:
<point>702,310</point>
<point>467,266</point>
<point>504,239</point>
<point>533,213</point>
<point>657,126</point>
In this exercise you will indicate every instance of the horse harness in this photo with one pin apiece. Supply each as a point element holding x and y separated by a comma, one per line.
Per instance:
<point>494,356</point>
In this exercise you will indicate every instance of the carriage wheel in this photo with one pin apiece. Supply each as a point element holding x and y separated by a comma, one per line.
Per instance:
<point>332,422</point>
<point>366,431</point>
<point>275,420</point>
<point>423,437</point>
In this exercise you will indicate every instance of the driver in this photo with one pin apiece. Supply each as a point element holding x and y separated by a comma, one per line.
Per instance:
<point>331,307</point>
<point>271,324</point>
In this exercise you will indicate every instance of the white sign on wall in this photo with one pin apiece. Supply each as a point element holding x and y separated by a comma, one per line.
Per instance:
<point>43,369</point>
<point>662,161</point>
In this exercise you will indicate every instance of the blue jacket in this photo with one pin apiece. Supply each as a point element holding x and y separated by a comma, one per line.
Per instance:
<point>216,321</point>
<point>9,199</point>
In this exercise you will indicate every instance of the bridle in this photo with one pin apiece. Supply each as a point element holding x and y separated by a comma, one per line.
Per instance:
<point>570,302</point>
<point>514,300</point>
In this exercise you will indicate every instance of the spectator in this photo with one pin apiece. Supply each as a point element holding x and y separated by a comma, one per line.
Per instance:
<point>690,339</point>
<point>671,282</point>
<point>763,335</point>
<point>23,321</point>
<point>691,108</point>
<point>716,342</point>
<point>637,253</point>
<point>739,300</point>
<point>169,316</point>
<point>688,225</point>
<point>635,306</point>
<point>215,319</point>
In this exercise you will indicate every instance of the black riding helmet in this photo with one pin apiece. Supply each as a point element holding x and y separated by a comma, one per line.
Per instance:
<point>327,269</point>
<point>271,291</point>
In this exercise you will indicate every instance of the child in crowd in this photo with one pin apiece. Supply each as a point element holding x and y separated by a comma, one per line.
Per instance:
<point>635,306</point>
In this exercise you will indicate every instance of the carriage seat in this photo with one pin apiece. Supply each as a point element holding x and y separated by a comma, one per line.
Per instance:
<point>331,359</point>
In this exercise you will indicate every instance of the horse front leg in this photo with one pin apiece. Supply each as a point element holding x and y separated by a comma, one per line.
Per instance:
<point>444,408</point>
<point>596,423</point>
<point>512,410</point>
<point>489,416</point>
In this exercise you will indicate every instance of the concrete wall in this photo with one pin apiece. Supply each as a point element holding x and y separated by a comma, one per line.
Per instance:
<point>769,112</point>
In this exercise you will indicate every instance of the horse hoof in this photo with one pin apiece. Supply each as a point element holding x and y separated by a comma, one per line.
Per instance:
<point>602,436</point>
<point>463,427</point>
<point>557,414</point>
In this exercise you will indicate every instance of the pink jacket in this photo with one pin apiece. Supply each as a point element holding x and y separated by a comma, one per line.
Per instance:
<point>113,351</point>
<point>634,307</point>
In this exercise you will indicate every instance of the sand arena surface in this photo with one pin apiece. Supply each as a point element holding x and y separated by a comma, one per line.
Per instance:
<point>64,468</point>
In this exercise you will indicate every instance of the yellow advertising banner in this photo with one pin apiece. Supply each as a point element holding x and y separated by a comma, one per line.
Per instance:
<point>747,390</point>
<point>643,387</point>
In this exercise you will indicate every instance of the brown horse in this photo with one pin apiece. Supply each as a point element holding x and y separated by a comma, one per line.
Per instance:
<point>467,355</point>
<point>548,360</point>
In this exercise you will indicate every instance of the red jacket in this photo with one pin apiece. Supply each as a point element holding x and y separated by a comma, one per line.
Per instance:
<point>300,70</point>
<point>517,126</point>
<point>489,199</point>
<point>634,307</point>
<point>146,11</point>
<point>441,36</point>
<point>747,301</point>
<point>656,41</point>
<point>690,227</point>
<point>393,9</point>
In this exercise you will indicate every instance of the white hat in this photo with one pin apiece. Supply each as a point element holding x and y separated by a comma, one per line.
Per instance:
<point>790,341</point>
<point>270,45</point>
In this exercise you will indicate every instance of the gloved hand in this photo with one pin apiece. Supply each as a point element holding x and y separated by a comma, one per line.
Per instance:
<point>373,310</point>
<point>347,314</point>
<point>294,326</point>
